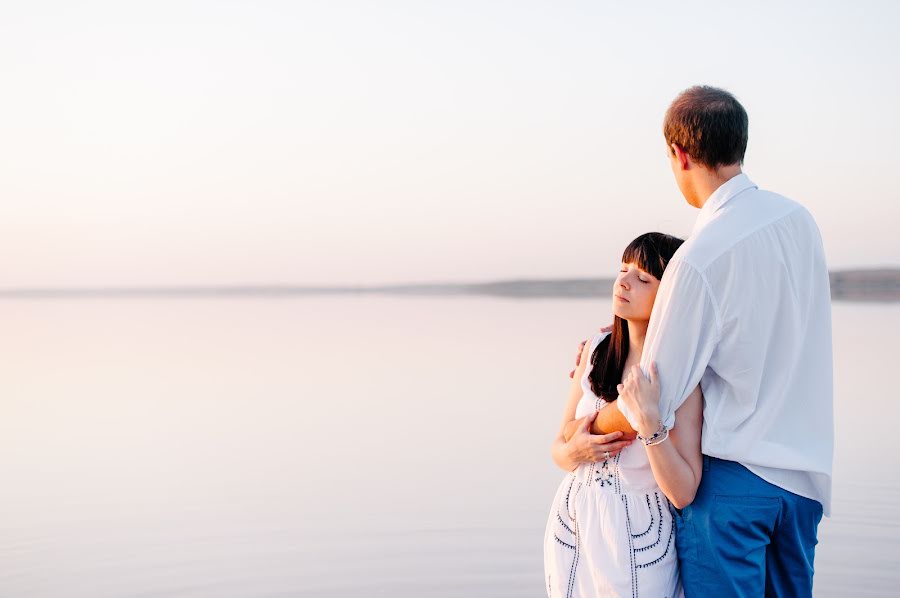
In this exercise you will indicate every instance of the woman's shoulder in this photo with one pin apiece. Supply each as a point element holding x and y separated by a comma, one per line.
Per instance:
<point>590,347</point>
<point>587,358</point>
<point>587,352</point>
<point>598,338</point>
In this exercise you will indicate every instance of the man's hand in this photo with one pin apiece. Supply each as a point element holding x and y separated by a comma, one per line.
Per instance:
<point>641,396</point>
<point>581,348</point>
<point>578,358</point>
<point>585,447</point>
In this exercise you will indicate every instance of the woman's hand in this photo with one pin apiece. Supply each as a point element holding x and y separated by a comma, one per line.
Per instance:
<point>585,447</point>
<point>641,396</point>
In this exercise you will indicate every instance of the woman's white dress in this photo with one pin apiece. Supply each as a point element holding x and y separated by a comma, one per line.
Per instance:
<point>610,530</point>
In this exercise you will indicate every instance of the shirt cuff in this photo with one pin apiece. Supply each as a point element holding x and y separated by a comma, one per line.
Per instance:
<point>669,422</point>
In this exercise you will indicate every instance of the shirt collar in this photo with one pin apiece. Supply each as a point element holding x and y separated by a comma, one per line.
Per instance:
<point>727,190</point>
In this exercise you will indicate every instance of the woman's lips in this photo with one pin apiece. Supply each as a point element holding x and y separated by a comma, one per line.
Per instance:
<point>620,298</point>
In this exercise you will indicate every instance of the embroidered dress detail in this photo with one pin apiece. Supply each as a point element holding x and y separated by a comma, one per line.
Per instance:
<point>610,531</point>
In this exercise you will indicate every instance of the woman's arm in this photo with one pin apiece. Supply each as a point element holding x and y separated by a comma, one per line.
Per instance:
<point>677,462</point>
<point>571,427</point>
<point>581,446</point>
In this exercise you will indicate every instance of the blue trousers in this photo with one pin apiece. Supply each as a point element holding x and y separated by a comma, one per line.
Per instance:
<point>743,537</point>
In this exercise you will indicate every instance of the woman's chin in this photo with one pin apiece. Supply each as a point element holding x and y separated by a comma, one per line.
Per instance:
<point>630,316</point>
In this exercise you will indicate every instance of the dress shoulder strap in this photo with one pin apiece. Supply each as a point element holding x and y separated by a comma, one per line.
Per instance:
<point>597,339</point>
<point>585,381</point>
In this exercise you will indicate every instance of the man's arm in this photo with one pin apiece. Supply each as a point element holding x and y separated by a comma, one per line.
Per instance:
<point>611,420</point>
<point>683,332</point>
<point>585,447</point>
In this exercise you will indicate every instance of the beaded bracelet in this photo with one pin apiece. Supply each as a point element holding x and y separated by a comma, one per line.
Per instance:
<point>658,437</point>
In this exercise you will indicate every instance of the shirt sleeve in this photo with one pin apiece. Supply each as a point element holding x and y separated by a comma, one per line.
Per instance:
<point>683,332</point>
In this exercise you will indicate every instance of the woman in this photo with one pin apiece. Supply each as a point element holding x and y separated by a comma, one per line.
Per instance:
<point>610,530</point>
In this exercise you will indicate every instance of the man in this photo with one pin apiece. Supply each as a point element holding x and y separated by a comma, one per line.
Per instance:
<point>744,309</point>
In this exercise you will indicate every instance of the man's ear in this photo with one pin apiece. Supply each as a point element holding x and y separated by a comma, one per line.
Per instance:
<point>681,156</point>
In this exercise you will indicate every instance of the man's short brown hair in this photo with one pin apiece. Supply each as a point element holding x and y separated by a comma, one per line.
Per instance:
<point>709,124</point>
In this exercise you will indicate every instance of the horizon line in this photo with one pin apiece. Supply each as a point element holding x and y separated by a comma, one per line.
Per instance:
<point>874,284</point>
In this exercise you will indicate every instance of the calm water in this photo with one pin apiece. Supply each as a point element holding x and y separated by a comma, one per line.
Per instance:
<point>341,447</point>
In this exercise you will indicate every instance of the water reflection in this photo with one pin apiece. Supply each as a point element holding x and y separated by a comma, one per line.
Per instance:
<point>339,446</point>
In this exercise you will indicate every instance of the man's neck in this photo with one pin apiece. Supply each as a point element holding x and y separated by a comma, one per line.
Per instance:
<point>708,181</point>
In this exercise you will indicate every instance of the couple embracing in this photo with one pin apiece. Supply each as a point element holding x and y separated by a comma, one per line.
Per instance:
<point>698,433</point>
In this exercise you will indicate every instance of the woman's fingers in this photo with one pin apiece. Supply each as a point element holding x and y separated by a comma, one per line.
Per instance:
<point>612,449</point>
<point>654,374</point>
<point>637,374</point>
<point>612,446</point>
<point>587,421</point>
<point>605,438</point>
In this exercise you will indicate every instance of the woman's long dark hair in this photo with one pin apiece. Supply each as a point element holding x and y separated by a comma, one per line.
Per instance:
<point>651,253</point>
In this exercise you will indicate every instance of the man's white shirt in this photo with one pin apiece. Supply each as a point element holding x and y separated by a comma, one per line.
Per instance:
<point>744,309</point>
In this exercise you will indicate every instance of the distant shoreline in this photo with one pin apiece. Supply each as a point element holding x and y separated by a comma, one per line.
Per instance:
<point>876,285</point>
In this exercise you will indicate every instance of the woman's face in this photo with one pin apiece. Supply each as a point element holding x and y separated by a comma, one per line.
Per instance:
<point>634,293</point>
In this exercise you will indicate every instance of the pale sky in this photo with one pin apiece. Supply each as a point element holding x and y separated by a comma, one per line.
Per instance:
<point>204,142</point>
